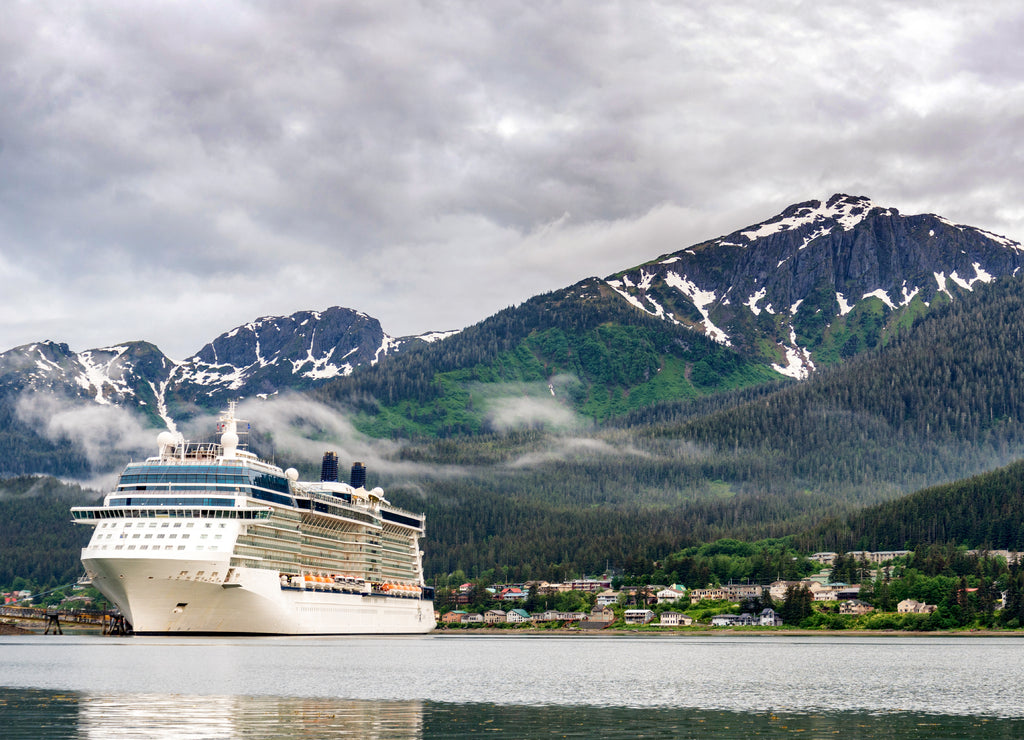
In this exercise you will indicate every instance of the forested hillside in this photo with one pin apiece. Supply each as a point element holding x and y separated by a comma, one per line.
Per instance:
<point>38,541</point>
<point>984,512</point>
<point>938,402</point>
<point>585,346</point>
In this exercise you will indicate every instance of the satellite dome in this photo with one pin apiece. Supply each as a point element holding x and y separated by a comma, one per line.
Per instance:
<point>291,474</point>
<point>165,439</point>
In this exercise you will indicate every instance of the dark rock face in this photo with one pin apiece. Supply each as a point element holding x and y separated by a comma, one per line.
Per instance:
<point>809,265</point>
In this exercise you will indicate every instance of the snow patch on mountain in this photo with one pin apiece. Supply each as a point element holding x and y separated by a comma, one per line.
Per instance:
<point>844,307</point>
<point>701,299</point>
<point>798,360</point>
<point>843,211</point>
<point>753,300</point>
<point>436,336</point>
<point>880,295</point>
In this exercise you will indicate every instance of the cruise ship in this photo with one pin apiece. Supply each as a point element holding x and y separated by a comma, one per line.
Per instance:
<point>208,538</point>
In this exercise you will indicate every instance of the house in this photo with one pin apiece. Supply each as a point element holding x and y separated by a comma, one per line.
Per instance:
<point>768,618</point>
<point>494,616</point>
<point>670,595</point>
<point>845,593</point>
<point>711,594</point>
<point>739,620</point>
<point>725,620</point>
<point>855,606</point>
<point>552,615</point>
<point>591,585</point>
<point>777,589</point>
<point>638,616</point>
<point>607,597</point>
<point>910,606</point>
<point>513,593</point>
<point>599,618</point>
<point>518,616</point>
<point>825,558</point>
<point>601,614</point>
<point>674,619</point>
<point>473,619</point>
<point>740,591</point>
<point>453,617</point>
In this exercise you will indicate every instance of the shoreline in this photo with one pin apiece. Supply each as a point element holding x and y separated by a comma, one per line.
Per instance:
<point>794,632</point>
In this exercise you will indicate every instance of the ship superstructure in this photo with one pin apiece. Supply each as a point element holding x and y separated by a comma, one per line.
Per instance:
<point>207,537</point>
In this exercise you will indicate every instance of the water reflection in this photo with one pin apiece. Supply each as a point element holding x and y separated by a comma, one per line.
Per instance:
<point>32,713</point>
<point>179,717</point>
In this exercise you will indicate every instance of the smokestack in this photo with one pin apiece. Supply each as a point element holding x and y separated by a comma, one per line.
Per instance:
<point>358,479</point>
<point>329,467</point>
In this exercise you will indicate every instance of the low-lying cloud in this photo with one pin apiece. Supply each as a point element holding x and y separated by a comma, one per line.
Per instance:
<point>107,435</point>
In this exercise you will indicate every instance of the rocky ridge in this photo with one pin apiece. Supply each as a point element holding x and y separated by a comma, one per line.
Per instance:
<point>776,288</point>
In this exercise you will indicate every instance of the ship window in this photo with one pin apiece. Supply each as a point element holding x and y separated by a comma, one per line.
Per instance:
<point>118,547</point>
<point>177,524</point>
<point>181,547</point>
<point>161,536</point>
<point>173,535</point>
<point>191,524</point>
<point>135,536</point>
<point>144,547</point>
<point>131,547</point>
<point>200,573</point>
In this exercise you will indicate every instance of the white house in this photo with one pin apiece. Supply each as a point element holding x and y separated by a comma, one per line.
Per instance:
<point>670,595</point>
<point>639,616</point>
<point>675,619</point>
<point>768,618</point>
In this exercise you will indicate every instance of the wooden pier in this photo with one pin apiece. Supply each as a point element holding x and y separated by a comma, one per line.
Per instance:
<point>111,622</point>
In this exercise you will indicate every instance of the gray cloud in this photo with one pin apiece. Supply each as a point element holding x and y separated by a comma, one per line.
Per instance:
<point>170,170</point>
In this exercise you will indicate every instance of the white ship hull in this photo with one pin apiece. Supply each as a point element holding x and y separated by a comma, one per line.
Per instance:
<point>156,599</point>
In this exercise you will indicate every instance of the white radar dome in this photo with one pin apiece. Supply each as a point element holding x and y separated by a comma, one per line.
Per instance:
<point>165,439</point>
<point>229,439</point>
<point>291,474</point>
<point>378,492</point>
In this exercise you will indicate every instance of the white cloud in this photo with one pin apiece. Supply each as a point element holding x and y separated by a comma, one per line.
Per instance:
<point>108,435</point>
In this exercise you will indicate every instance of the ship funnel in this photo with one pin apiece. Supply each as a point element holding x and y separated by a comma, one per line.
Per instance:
<point>329,467</point>
<point>358,479</point>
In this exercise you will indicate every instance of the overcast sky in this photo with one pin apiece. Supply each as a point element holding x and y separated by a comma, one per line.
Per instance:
<point>169,170</point>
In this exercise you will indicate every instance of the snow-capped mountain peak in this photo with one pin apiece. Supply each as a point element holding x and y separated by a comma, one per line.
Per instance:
<point>783,282</point>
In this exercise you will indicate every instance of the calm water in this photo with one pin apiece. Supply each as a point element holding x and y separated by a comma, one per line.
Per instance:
<point>512,686</point>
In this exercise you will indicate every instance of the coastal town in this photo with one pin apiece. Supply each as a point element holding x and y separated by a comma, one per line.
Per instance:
<point>596,605</point>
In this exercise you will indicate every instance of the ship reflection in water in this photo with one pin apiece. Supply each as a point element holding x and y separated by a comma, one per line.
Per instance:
<point>173,717</point>
<point>32,713</point>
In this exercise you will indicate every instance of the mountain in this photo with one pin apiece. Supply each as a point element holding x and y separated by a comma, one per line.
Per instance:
<point>260,358</point>
<point>819,281</point>
<point>576,431</point>
<point>939,402</point>
<point>811,287</point>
